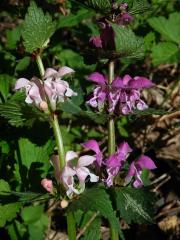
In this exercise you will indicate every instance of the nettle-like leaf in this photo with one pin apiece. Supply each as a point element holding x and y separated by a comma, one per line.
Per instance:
<point>139,6</point>
<point>135,205</point>
<point>103,6</point>
<point>7,211</point>
<point>20,114</point>
<point>97,200</point>
<point>165,52</point>
<point>149,111</point>
<point>37,29</point>
<point>128,45</point>
<point>93,231</point>
<point>30,152</point>
<point>36,220</point>
<point>4,85</point>
<point>168,28</point>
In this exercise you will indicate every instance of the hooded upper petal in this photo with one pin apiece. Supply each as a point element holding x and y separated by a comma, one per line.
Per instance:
<point>70,155</point>
<point>21,82</point>
<point>65,70</point>
<point>145,162</point>
<point>85,160</point>
<point>50,72</point>
<point>97,78</point>
<point>140,83</point>
<point>124,149</point>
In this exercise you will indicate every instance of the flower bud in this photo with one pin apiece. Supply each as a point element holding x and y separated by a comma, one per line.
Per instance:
<point>47,184</point>
<point>43,106</point>
<point>64,203</point>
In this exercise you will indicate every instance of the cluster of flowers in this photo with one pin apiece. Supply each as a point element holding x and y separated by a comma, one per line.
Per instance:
<point>106,38</point>
<point>112,165</point>
<point>53,88</point>
<point>123,95</point>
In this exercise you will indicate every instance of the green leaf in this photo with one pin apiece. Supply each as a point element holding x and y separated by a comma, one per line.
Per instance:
<point>135,205</point>
<point>4,85</point>
<point>73,19</point>
<point>29,152</point>
<point>128,45</point>
<point>36,220</point>
<point>99,118</point>
<point>4,187</point>
<point>169,28</point>
<point>139,6</point>
<point>9,212</point>
<point>150,111</point>
<point>37,29</point>
<point>97,200</point>
<point>31,214</point>
<point>16,230</point>
<point>20,114</point>
<point>22,64</point>
<point>93,231</point>
<point>70,107</point>
<point>13,36</point>
<point>103,6</point>
<point>164,53</point>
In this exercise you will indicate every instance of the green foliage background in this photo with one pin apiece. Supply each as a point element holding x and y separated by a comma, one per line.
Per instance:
<point>25,136</point>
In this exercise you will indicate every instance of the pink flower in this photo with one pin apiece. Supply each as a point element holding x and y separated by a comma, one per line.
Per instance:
<point>136,167</point>
<point>96,41</point>
<point>33,92</point>
<point>47,184</point>
<point>56,88</point>
<point>80,170</point>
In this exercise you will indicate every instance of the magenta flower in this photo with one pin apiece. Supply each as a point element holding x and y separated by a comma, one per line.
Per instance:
<point>96,41</point>
<point>122,95</point>
<point>33,92</point>
<point>94,146</point>
<point>116,161</point>
<point>55,88</point>
<point>124,18</point>
<point>136,168</point>
<point>80,170</point>
<point>47,184</point>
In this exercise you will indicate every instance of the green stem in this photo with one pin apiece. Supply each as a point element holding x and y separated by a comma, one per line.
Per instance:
<point>59,140</point>
<point>40,65</point>
<point>111,142</point>
<point>71,226</point>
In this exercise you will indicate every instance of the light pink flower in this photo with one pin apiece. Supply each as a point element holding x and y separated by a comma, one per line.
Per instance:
<point>47,184</point>
<point>56,88</point>
<point>80,170</point>
<point>33,93</point>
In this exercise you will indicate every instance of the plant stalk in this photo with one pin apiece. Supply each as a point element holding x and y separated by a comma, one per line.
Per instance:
<point>59,140</point>
<point>112,142</point>
<point>71,226</point>
<point>40,65</point>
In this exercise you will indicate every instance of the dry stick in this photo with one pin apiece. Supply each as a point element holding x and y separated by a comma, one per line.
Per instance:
<point>82,231</point>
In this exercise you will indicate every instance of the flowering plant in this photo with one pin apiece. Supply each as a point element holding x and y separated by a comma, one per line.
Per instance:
<point>94,172</point>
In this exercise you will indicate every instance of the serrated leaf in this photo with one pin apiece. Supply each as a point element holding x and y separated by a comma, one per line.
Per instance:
<point>4,187</point>
<point>103,6</point>
<point>22,64</point>
<point>135,205</point>
<point>30,152</point>
<point>73,19</point>
<point>97,200</point>
<point>139,6</point>
<point>99,118</point>
<point>37,29</point>
<point>150,111</point>
<point>9,212</point>
<point>4,85</point>
<point>93,231</point>
<point>127,43</point>
<point>20,114</point>
<point>169,28</point>
<point>164,53</point>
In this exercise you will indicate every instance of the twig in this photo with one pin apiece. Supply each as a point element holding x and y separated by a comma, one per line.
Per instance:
<point>162,183</point>
<point>82,231</point>
<point>176,209</point>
